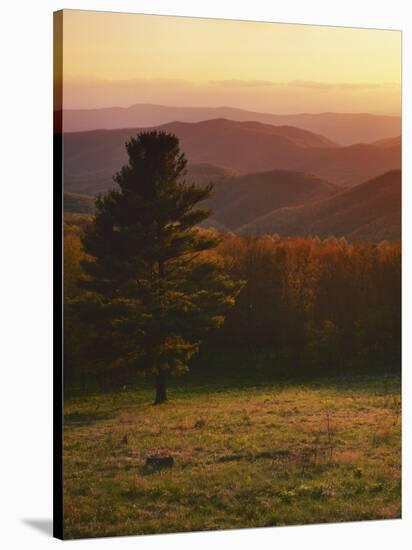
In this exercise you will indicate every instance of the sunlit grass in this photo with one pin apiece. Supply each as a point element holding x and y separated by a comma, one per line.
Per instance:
<point>248,456</point>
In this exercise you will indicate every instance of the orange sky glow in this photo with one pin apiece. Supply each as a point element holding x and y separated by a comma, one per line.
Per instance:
<point>116,59</point>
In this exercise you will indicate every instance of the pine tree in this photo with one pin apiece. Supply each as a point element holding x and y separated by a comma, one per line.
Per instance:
<point>153,289</point>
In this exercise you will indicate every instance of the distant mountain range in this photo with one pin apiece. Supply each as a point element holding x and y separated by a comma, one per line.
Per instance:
<point>80,192</point>
<point>76,203</point>
<point>294,204</point>
<point>238,200</point>
<point>342,128</point>
<point>389,142</point>
<point>91,158</point>
<point>371,210</point>
<point>268,179</point>
<point>93,183</point>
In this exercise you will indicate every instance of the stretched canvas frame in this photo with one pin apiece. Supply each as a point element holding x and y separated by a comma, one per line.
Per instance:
<point>326,467</point>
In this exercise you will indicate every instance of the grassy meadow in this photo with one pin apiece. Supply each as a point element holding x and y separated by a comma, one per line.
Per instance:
<point>248,451</point>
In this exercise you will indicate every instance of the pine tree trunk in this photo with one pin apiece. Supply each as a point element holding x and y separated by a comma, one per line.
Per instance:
<point>160,385</point>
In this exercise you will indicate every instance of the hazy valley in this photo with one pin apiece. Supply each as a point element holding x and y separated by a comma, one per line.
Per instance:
<point>343,128</point>
<point>268,179</point>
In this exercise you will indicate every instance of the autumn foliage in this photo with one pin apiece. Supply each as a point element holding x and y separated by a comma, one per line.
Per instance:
<point>326,306</point>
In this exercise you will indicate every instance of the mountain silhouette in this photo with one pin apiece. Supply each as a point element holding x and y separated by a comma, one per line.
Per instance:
<point>343,128</point>
<point>91,158</point>
<point>371,210</point>
<point>238,200</point>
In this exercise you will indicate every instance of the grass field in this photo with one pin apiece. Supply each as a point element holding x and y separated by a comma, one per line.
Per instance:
<point>247,454</point>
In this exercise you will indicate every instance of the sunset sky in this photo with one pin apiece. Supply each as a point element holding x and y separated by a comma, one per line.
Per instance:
<point>113,59</point>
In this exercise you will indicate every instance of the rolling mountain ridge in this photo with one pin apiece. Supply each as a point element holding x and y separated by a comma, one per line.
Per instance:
<point>371,210</point>
<point>238,200</point>
<point>91,158</point>
<point>342,128</point>
<point>295,204</point>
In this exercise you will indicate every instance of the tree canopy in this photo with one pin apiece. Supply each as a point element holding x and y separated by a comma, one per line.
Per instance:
<point>152,289</point>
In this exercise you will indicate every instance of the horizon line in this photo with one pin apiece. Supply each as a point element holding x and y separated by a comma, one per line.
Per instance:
<point>300,113</point>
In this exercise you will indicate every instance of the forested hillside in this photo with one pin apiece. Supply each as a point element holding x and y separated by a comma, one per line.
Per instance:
<point>369,211</point>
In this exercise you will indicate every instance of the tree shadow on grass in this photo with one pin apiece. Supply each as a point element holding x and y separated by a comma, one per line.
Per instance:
<point>80,419</point>
<point>221,371</point>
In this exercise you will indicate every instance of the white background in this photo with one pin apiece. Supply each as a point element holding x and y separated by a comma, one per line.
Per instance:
<point>26,272</point>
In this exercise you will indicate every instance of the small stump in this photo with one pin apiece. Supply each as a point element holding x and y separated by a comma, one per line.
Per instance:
<point>157,462</point>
